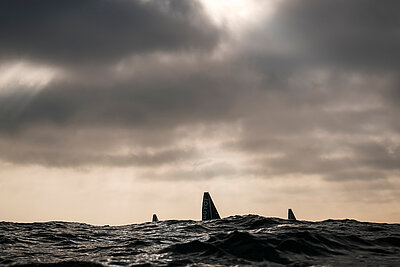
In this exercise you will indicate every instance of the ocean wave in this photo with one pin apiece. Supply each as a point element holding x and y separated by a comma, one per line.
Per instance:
<point>236,240</point>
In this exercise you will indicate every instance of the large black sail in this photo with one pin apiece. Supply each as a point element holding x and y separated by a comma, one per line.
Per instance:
<point>291,215</point>
<point>209,211</point>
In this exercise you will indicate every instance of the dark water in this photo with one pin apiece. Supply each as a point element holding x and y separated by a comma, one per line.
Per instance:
<point>237,240</point>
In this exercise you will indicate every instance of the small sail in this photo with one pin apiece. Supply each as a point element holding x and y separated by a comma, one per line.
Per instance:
<point>155,219</point>
<point>291,215</point>
<point>209,211</point>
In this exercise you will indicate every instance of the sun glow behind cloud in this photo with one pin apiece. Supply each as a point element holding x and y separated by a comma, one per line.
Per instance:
<point>238,15</point>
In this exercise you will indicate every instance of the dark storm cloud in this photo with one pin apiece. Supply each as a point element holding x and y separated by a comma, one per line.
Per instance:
<point>310,87</point>
<point>338,129</point>
<point>356,33</point>
<point>340,34</point>
<point>160,98</point>
<point>329,67</point>
<point>149,105</point>
<point>74,31</point>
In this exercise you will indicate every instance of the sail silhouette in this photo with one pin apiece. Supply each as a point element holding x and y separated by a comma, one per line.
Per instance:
<point>209,211</point>
<point>291,215</point>
<point>155,219</point>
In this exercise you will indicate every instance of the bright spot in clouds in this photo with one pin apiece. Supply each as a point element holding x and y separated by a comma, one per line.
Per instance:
<point>25,76</point>
<point>237,15</point>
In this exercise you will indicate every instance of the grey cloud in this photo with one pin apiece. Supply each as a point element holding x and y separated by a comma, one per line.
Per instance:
<point>340,34</point>
<point>93,31</point>
<point>190,95</point>
<point>63,156</point>
<point>149,105</point>
<point>208,171</point>
<point>328,128</point>
<point>318,78</point>
<point>305,155</point>
<point>379,156</point>
<point>353,175</point>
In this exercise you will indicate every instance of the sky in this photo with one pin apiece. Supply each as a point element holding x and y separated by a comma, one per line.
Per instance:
<point>111,111</point>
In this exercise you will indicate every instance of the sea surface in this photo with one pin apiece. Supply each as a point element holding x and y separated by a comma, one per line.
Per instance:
<point>237,240</point>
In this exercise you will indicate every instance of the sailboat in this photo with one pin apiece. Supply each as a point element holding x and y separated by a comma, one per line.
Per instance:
<point>291,215</point>
<point>208,211</point>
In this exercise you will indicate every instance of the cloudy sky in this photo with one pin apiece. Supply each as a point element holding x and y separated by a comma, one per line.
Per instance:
<point>111,111</point>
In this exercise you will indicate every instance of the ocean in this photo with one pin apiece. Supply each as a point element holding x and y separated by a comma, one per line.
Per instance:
<point>236,240</point>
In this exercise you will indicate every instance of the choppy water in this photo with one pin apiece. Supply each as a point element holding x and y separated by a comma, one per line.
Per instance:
<point>236,240</point>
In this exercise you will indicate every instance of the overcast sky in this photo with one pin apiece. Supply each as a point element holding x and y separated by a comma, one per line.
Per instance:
<point>111,111</point>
